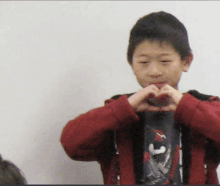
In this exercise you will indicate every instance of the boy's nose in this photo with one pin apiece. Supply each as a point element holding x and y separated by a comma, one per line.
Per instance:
<point>154,70</point>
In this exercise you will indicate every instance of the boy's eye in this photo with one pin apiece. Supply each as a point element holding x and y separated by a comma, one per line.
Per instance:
<point>165,61</point>
<point>143,62</point>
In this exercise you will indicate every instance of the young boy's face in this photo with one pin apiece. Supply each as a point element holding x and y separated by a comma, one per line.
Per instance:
<point>158,63</point>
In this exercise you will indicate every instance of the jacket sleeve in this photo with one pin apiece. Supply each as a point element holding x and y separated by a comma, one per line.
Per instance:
<point>201,116</point>
<point>91,134</point>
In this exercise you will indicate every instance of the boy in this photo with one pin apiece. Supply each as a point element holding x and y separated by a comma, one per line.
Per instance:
<point>157,135</point>
<point>10,174</point>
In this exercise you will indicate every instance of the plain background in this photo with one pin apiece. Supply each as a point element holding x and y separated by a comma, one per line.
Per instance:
<point>61,59</point>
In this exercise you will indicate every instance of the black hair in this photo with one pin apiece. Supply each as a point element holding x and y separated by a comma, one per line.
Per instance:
<point>162,27</point>
<point>10,174</point>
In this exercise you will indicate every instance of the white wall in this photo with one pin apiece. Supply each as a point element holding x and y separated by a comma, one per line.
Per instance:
<point>60,59</point>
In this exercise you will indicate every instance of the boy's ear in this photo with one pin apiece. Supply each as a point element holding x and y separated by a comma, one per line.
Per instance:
<point>187,62</point>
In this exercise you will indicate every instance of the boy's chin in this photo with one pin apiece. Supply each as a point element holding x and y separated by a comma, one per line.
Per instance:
<point>158,102</point>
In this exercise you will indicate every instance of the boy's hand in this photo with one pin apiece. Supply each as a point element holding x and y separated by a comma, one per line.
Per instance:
<point>172,93</point>
<point>139,103</point>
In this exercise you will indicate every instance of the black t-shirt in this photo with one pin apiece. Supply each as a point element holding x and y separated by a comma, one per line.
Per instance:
<point>155,146</point>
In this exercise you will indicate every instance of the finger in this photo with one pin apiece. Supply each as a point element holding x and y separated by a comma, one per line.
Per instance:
<point>175,95</point>
<point>171,107</point>
<point>142,95</point>
<point>154,109</point>
<point>154,87</point>
<point>168,87</point>
<point>166,109</point>
<point>150,93</point>
<point>165,93</point>
<point>164,87</point>
<point>158,109</point>
<point>146,107</point>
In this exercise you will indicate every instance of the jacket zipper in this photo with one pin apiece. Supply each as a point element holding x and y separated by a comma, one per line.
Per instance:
<point>117,154</point>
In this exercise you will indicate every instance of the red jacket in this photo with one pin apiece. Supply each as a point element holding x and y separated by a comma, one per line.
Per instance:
<point>90,137</point>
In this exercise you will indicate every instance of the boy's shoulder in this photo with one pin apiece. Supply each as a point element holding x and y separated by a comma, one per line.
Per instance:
<point>201,96</point>
<point>194,93</point>
<point>119,95</point>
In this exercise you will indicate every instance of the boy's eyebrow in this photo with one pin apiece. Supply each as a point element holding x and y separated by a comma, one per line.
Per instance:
<point>145,55</point>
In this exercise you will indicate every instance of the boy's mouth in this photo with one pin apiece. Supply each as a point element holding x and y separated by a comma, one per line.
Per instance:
<point>158,84</point>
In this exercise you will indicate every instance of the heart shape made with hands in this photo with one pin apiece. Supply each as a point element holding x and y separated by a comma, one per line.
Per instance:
<point>160,100</point>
